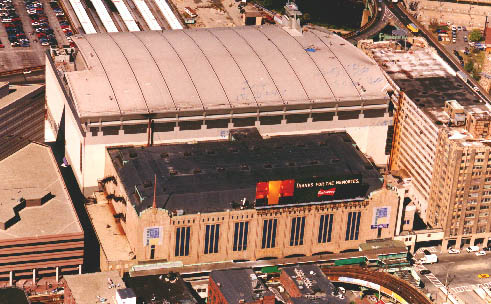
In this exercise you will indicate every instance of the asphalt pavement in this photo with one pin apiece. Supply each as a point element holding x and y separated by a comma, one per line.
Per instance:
<point>460,272</point>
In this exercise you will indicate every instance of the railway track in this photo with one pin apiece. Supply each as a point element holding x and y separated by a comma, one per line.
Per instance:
<point>402,288</point>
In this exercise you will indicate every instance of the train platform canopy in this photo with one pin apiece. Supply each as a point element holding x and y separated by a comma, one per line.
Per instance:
<point>215,176</point>
<point>216,70</point>
<point>382,244</point>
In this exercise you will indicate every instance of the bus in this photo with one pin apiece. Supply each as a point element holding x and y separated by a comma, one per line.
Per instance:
<point>412,27</point>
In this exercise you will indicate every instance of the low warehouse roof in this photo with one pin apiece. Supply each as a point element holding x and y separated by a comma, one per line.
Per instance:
<point>216,70</point>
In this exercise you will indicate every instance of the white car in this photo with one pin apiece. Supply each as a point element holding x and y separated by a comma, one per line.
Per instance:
<point>482,252</point>
<point>454,40</point>
<point>472,249</point>
<point>453,251</point>
<point>476,89</point>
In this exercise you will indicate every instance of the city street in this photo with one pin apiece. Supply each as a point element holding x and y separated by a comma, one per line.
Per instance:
<point>463,276</point>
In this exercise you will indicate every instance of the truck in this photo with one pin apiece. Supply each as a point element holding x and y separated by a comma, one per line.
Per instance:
<point>429,259</point>
<point>462,76</point>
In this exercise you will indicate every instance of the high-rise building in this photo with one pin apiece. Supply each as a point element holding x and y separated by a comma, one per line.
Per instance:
<point>441,138</point>
<point>21,116</point>
<point>460,197</point>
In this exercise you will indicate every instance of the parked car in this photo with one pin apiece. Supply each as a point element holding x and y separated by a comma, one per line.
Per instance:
<point>482,252</point>
<point>424,271</point>
<point>472,249</point>
<point>453,251</point>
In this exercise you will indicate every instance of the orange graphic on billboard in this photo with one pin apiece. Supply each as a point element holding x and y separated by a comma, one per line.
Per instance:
<point>273,190</point>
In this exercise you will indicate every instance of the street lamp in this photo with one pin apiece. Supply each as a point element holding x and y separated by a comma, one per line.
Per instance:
<point>447,282</point>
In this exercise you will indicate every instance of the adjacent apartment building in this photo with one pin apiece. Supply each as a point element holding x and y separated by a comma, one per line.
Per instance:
<point>441,128</point>
<point>183,86</point>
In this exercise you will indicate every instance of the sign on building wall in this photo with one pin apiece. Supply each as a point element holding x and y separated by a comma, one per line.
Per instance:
<point>153,235</point>
<point>306,190</point>
<point>381,217</point>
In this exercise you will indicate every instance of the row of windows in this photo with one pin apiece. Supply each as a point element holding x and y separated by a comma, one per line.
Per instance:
<point>238,122</point>
<point>268,240</point>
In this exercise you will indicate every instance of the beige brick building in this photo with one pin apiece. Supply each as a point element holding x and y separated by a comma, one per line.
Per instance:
<point>211,206</point>
<point>461,191</point>
<point>441,139</point>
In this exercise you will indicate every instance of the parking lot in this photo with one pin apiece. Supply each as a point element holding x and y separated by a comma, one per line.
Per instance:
<point>465,271</point>
<point>28,28</point>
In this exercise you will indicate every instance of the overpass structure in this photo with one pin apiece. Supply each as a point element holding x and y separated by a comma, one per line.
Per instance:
<point>383,282</point>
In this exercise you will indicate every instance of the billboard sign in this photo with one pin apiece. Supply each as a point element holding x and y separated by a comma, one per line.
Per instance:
<point>381,217</point>
<point>153,235</point>
<point>306,190</point>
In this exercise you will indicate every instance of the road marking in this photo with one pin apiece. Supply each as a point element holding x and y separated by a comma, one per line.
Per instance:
<point>433,279</point>
<point>465,288</point>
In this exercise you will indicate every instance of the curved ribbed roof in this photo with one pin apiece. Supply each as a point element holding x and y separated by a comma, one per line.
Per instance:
<point>217,69</point>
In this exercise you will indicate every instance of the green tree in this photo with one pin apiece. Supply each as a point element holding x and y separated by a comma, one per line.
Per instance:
<point>475,35</point>
<point>469,66</point>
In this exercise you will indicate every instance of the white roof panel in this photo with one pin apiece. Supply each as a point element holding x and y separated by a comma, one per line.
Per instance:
<point>218,68</point>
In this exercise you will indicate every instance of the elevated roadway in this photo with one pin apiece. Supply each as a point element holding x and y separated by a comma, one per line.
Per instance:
<point>391,285</point>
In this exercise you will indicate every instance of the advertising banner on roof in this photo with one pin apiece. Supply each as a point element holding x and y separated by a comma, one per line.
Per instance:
<point>306,190</point>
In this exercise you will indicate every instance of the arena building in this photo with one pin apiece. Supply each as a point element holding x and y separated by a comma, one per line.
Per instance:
<point>245,199</point>
<point>188,85</point>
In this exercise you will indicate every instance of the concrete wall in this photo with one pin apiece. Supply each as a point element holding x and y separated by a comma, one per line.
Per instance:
<point>55,99</point>
<point>75,149</point>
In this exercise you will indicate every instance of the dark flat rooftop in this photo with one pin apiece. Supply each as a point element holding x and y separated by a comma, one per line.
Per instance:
<point>209,176</point>
<point>434,91</point>
<point>237,284</point>
<point>158,289</point>
<point>313,284</point>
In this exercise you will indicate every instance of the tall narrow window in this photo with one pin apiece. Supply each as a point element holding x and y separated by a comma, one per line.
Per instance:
<point>325,228</point>
<point>297,229</point>
<point>152,252</point>
<point>81,158</point>
<point>182,241</point>
<point>211,238</point>
<point>240,236</point>
<point>269,233</point>
<point>353,226</point>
